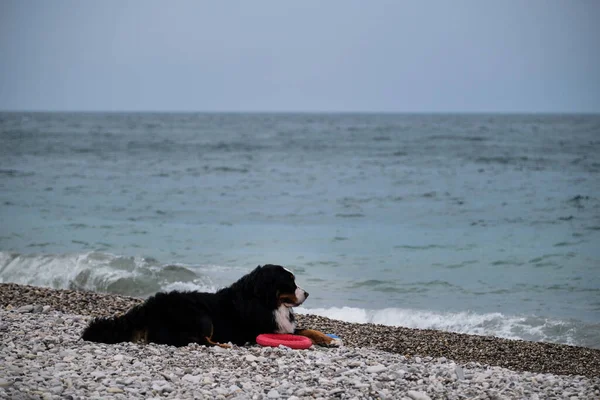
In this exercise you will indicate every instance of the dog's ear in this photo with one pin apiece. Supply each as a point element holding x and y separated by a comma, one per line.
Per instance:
<point>264,286</point>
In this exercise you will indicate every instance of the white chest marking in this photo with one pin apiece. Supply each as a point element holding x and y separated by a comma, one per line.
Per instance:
<point>282,319</point>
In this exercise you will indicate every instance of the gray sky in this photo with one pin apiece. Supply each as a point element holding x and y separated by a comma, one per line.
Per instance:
<point>421,56</point>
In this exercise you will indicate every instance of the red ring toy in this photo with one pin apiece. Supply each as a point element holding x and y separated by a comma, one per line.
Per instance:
<point>292,341</point>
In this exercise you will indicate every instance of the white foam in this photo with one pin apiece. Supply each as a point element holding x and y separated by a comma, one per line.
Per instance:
<point>189,287</point>
<point>97,271</point>
<point>490,324</point>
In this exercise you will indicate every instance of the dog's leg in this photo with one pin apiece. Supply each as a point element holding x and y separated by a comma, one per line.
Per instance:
<point>140,336</point>
<point>209,340</point>
<point>223,345</point>
<point>318,338</point>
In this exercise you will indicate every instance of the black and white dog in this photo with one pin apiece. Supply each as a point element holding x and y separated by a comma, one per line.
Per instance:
<point>259,302</point>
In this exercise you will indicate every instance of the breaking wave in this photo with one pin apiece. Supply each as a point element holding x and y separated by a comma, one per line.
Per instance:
<point>101,272</point>
<point>530,328</point>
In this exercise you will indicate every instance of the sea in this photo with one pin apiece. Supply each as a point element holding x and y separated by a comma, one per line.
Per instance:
<point>484,224</point>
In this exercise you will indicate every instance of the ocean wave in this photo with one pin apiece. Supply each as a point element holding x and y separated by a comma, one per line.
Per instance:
<point>101,272</point>
<point>13,173</point>
<point>531,328</point>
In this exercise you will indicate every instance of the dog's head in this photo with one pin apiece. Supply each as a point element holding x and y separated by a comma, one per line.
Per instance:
<point>275,286</point>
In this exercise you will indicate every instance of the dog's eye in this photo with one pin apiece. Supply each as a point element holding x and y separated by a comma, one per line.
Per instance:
<point>291,273</point>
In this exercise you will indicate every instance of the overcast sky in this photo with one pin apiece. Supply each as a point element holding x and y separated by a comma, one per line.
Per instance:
<point>393,56</point>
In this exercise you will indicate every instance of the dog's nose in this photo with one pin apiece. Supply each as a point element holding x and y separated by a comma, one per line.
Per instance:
<point>305,294</point>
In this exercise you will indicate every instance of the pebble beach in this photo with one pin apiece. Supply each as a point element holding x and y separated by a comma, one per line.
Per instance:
<point>43,357</point>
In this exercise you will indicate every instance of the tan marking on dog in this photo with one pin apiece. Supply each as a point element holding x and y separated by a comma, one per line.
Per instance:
<point>288,298</point>
<point>317,337</point>
<point>223,345</point>
<point>210,341</point>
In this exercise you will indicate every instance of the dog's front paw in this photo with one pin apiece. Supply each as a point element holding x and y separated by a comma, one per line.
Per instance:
<point>335,341</point>
<point>320,339</point>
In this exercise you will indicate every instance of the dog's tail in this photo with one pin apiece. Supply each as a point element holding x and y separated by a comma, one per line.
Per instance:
<point>109,330</point>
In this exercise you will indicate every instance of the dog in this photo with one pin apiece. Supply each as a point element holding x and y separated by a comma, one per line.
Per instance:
<point>259,302</point>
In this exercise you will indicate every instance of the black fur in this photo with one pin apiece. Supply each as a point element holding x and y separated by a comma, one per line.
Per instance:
<point>234,314</point>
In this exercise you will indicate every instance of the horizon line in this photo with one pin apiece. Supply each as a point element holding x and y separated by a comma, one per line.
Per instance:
<point>514,112</point>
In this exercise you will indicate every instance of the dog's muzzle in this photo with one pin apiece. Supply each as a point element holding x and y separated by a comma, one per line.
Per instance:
<point>301,296</point>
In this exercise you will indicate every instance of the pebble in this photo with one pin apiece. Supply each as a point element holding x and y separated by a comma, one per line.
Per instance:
<point>375,369</point>
<point>63,366</point>
<point>417,395</point>
<point>460,373</point>
<point>25,309</point>
<point>192,378</point>
<point>5,383</point>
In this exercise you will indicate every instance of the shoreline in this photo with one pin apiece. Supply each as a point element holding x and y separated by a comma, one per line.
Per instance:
<point>516,355</point>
